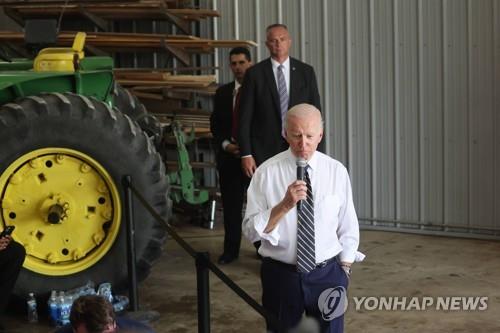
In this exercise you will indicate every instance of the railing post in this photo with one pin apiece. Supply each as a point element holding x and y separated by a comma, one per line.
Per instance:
<point>129,217</point>
<point>203,287</point>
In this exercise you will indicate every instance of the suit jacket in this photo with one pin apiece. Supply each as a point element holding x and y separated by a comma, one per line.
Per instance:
<point>260,114</point>
<point>221,119</point>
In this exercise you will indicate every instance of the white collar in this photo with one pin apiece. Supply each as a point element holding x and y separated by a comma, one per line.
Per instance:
<point>237,85</point>
<point>312,162</point>
<point>286,64</point>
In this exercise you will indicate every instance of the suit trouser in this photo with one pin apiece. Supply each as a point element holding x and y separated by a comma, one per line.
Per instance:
<point>11,261</point>
<point>233,184</point>
<point>287,293</point>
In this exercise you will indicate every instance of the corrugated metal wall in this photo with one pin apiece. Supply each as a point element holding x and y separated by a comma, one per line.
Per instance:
<point>411,90</point>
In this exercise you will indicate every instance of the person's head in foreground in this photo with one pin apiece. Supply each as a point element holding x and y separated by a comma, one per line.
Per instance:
<point>92,314</point>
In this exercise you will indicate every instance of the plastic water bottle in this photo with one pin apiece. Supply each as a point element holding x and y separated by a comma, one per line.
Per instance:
<point>32,310</point>
<point>60,305</point>
<point>105,291</point>
<point>67,302</point>
<point>120,303</point>
<point>86,289</point>
<point>52,305</point>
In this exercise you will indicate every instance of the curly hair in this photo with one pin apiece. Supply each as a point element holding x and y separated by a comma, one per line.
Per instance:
<point>94,312</point>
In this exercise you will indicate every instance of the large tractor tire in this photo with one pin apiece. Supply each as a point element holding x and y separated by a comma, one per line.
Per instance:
<point>62,160</point>
<point>132,107</point>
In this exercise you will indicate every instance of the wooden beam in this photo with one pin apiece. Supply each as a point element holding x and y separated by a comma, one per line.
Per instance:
<point>96,51</point>
<point>14,16</point>
<point>182,24</point>
<point>179,53</point>
<point>17,49</point>
<point>98,21</point>
<point>180,47</point>
<point>143,10</point>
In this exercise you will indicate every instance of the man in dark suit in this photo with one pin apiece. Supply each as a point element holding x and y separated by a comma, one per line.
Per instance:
<point>224,127</point>
<point>270,88</point>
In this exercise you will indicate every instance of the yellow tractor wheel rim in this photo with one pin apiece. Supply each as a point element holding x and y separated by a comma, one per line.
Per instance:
<point>65,207</point>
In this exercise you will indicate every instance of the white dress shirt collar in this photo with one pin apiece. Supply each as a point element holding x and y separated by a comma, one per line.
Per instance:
<point>286,64</point>
<point>312,162</point>
<point>237,86</point>
<point>286,72</point>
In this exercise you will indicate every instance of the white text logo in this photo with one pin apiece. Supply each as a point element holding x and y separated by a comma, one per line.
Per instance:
<point>441,303</point>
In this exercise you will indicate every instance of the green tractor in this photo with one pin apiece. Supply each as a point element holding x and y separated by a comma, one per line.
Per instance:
<point>68,135</point>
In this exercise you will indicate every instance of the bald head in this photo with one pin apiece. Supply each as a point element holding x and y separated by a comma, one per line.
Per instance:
<point>304,130</point>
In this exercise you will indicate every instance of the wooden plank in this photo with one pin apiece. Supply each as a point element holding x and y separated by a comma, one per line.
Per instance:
<point>168,83</point>
<point>131,40</point>
<point>145,95</point>
<point>141,75</point>
<point>60,2</point>
<point>113,11</point>
<point>171,70</point>
<point>210,90</point>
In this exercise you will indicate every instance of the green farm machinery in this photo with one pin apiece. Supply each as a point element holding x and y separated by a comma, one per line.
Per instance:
<point>68,135</point>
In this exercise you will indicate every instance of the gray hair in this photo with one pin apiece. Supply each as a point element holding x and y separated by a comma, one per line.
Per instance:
<point>302,111</point>
<point>276,25</point>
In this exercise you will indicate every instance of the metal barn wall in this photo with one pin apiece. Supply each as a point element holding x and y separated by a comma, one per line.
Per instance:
<point>411,93</point>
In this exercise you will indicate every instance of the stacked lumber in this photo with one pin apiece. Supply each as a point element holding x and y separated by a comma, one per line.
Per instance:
<point>170,92</point>
<point>60,2</point>
<point>181,46</point>
<point>151,42</point>
<point>197,120</point>
<point>200,124</point>
<point>163,92</point>
<point>162,79</point>
<point>109,10</point>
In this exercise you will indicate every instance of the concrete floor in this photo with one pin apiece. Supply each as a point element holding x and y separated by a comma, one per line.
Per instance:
<point>401,265</point>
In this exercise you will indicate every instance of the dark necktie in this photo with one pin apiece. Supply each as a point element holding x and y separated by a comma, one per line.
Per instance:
<point>236,106</point>
<point>283,96</point>
<point>306,258</point>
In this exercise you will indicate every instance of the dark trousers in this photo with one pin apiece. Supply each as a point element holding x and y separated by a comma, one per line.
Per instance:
<point>233,184</point>
<point>11,261</point>
<point>288,294</point>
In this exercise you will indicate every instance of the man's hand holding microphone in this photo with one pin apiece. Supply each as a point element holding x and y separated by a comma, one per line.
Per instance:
<point>296,192</point>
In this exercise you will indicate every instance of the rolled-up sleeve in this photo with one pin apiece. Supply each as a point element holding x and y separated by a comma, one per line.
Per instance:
<point>257,213</point>
<point>348,227</point>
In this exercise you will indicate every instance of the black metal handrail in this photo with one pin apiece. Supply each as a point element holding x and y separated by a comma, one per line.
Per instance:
<point>203,265</point>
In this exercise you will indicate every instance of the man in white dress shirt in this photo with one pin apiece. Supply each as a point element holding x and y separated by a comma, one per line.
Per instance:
<point>291,284</point>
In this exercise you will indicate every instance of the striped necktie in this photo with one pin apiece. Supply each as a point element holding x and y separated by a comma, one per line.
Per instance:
<point>306,258</point>
<point>283,95</point>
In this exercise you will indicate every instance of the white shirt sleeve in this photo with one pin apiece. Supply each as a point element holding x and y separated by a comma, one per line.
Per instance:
<point>257,214</point>
<point>225,143</point>
<point>348,227</point>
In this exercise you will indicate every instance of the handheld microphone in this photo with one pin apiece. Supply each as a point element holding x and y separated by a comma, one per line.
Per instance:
<point>301,167</point>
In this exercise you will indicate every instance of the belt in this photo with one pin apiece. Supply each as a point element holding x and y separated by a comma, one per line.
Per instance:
<point>326,262</point>
<point>293,268</point>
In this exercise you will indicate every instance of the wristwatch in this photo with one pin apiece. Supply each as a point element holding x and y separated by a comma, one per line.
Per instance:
<point>347,270</point>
